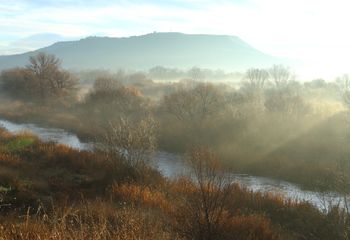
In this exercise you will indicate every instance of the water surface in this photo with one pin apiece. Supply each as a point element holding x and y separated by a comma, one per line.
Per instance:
<point>172,165</point>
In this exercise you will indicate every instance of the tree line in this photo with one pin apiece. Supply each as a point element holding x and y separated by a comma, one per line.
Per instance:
<point>251,127</point>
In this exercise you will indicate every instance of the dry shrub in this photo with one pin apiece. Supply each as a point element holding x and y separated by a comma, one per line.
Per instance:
<point>204,199</point>
<point>251,227</point>
<point>134,140</point>
<point>246,214</point>
<point>144,195</point>
<point>95,220</point>
<point>189,221</point>
<point>9,159</point>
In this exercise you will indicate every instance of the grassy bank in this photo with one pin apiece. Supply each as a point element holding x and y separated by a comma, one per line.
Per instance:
<point>50,191</point>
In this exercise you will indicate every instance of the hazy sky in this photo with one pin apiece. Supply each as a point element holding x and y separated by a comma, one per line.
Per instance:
<point>315,31</point>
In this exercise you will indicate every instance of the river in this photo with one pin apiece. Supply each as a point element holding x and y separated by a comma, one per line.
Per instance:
<point>172,165</point>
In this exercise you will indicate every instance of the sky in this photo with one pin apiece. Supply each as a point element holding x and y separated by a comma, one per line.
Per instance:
<point>312,31</point>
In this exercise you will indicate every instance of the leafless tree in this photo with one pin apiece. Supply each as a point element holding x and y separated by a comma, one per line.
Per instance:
<point>204,207</point>
<point>253,89</point>
<point>43,63</point>
<point>256,79</point>
<point>196,104</point>
<point>42,78</point>
<point>111,100</point>
<point>285,95</point>
<point>49,79</point>
<point>343,83</point>
<point>280,75</point>
<point>287,100</point>
<point>196,74</point>
<point>134,140</point>
<point>105,84</point>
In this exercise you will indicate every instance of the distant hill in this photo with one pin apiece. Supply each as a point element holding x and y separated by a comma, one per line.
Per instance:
<point>33,42</point>
<point>174,50</point>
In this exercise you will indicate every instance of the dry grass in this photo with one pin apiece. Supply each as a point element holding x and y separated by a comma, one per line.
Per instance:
<point>91,220</point>
<point>141,195</point>
<point>50,191</point>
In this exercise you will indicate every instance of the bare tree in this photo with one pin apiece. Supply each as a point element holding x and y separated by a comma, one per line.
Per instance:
<point>109,100</point>
<point>105,84</point>
<point>253,89</point>
<point>51,80</point>
<point>256,79</point>
<point>287,100</point>
<point>196,104</point>
<point>196,74</point>
<point>204,207</point>
<point>285,95</point>
<point>280,75</point>
<point>41,78</point>
<point>343,83</point>
<point>42,63</point>
<point>134,140</point>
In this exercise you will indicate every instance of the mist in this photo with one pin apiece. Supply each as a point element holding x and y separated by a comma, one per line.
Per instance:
<point>185,120</point>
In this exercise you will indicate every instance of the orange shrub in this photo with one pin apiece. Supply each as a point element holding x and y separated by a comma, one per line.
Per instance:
<point>143,195</point>
<point>251,227</point>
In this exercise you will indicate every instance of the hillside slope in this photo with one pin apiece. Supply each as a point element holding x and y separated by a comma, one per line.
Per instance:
<point>143,52</point>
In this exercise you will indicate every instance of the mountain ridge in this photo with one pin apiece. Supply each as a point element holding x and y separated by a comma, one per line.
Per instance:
<point>168,49</point>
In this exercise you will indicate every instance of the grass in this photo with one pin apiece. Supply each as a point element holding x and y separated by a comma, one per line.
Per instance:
<point>51,191</point>
<point>18,144</point>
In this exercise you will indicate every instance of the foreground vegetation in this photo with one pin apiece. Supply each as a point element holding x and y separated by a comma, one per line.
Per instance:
<point>51,191</point>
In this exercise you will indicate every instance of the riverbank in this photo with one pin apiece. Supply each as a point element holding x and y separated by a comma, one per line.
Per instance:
<point>173,165</point>
<point>76,194</point>
<point>304,156</point>
<point>259,168</point>
<point>49,116</point>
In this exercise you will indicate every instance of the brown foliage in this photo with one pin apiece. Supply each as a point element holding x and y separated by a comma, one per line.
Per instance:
<point>89,220</point>
<point>202,205</point>
<point>141,195</point>
<point>250,227</point>
<point>34,175</point>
